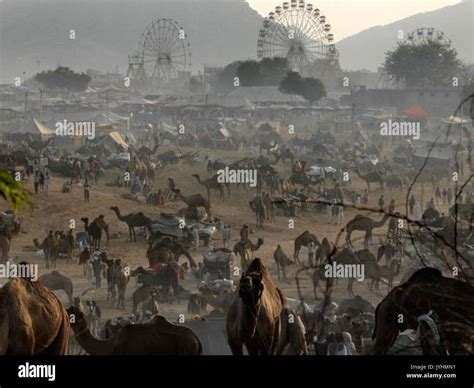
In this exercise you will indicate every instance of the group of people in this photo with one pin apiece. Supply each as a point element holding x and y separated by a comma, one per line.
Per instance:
<point>39,168</point>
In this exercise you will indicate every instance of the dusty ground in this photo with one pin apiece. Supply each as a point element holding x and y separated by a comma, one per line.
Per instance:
<point>57,209</point>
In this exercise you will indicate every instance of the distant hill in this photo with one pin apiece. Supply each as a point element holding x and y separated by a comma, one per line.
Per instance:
<point>107,31</point>
<point>34,35</point>
<point>366,50</point>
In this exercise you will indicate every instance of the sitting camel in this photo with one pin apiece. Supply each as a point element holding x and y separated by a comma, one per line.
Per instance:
<point>133,220</point>
<point>55,281</point>
<point>156,337</point>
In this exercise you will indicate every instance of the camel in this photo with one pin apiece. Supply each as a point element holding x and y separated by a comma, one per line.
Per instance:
<point>323,252</point>
<point>100,221</point>
<point>282,261</point>
<point>245,249</point>
<point>94,231</point>
<point>55,281</point>
<point>33,320</point>
<point>375,272</point>
<point>156,337</point>
<point>254,318</point>
<point>121,278</point>
<point>166,279</point>
<point>427,290</point>
<point>213,184</point>
<point>302,241</point>
<point>4,248</point>
<point>50,247</point>
<point>165,250</point>
<point>258,207</point>
<point>133,220</point>
<point>345,257</point>
<point>269,207</point>
<point>194,201</point>
<point>373,176</point>
<point>197,303</point>
<point>365,224</point>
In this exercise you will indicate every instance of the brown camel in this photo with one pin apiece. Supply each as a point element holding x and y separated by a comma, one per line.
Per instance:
<point>33,321</point>
<point>167,279</point>
<point>282,261</point>
<point>55,281</point>
<point>323,251</point>
<point>166,250</point>
<point>156,337</point>
<point>194,201</point>
<point>4,248</point>
<point>269,207</point>
<point>427,290</point>
<point>100,221</point>
<point>258,207</point>
<point>94,231</point>
<point>302,241</point>
<point>374,176</point>
<point>365,224</point>
<point>50,247</point>
<point>212,184</point>
<point>245,249</point>
<point>344,257</point>
<point>254,318</point>
<point>133,220</point>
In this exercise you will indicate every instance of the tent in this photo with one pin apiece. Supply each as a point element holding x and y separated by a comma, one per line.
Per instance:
<point>415,112</point>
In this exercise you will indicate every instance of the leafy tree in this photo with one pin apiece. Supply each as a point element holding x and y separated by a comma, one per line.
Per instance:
<point>249,73</point>
<point>63,78</point>
<point>13,191</point>
<point>430,64</point>
<point>311,89</point>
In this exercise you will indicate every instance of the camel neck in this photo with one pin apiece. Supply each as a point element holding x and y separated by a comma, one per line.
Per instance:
<point>94,346</point>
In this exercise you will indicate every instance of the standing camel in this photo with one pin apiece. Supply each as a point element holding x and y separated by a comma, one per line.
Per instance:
<point>282,261</point>
<point>50,247</point>
<point>302,241</point>
<point>94,231</point>
<point>254,316</point>
<point>213,184</point>
<point>365,224</point>
<point>133,220</point>
<point>258,207</point>
<point>245,249</point>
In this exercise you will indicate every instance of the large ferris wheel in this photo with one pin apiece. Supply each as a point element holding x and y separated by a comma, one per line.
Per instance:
<point>164,50</point>
<point>299,32</point>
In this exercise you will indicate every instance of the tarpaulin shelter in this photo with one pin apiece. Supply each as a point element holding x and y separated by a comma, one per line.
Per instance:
<point>415,112</point>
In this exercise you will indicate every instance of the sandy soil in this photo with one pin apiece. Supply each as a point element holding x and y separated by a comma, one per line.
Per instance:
<point>57,209</point>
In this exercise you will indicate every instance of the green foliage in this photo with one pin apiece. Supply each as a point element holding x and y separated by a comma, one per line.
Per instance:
<point>311,89</point>
<point>267,72</point>
<point>430,64</point>
<point>63,78</point>
<point>13,191</point>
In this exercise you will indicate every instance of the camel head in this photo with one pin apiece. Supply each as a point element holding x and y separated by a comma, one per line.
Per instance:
<point>251,288</point>
<point>77,319</point>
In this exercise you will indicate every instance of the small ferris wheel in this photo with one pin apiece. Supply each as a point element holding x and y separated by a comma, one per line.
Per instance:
<point>425,35</point>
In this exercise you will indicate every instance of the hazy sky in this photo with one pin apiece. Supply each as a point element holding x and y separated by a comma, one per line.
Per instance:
<point>348,17</point>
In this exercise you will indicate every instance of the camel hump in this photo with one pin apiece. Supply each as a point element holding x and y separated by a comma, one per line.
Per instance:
<point>425,275</point>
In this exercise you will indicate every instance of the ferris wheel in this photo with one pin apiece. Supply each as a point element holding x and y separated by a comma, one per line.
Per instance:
<point>425,35</point>
<point>297,31</point>
<point>164,50</point>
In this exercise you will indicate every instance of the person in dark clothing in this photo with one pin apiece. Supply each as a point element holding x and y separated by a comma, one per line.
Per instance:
<point>36,182</point>
<point>412,203</point>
